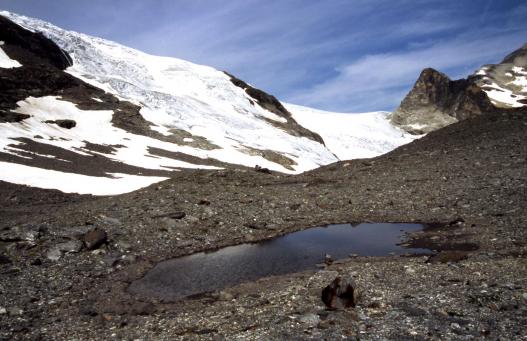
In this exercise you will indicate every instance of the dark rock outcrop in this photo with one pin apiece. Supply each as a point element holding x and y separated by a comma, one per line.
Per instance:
<point>273,105</point>
<point>66,124</point>
<point>31,48</point>
<point>436,101</point>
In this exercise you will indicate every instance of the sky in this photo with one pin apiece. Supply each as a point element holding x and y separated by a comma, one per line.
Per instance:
<point>335,55</point>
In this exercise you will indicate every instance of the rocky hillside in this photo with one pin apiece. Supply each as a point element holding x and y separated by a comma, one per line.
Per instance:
<point>435,101</point>
<point>80,110</point>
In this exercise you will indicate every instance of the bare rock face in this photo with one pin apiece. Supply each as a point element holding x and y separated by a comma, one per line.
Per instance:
<point>436,101</point>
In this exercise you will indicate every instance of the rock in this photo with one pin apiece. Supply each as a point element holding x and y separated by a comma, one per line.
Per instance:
<point>94,238</point>
<point>173,215</point>
<point>204,202</point>
<point>15,311</point>
<point>3,311</point>
<point>340,293</point>
<point>54,254</point>
<point>72,246</point>
<point>328,260</point>
<point>5,260</point>
<point>66,124</point>
<point>311,320</point>
<point>262,169</point>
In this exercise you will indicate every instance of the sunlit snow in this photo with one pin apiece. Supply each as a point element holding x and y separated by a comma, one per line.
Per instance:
<point>352,136</point>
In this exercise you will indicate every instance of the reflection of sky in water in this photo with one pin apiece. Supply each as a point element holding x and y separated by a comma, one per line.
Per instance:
<point>293,252</point>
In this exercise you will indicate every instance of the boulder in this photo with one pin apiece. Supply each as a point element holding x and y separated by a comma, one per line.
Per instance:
<point>341,293</point>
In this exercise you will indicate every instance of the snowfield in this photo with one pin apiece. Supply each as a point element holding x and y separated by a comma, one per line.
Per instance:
<point>352,136</point>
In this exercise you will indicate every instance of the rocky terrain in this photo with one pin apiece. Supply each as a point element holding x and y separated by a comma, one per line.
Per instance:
<point>67,260</point>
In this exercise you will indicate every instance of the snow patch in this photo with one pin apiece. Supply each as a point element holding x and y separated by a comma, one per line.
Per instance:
<point>5,61</point>
<point>75,183</point>
<point>352,136</point>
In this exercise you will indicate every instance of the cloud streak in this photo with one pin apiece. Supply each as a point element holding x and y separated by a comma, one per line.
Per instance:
<point>345,55</point>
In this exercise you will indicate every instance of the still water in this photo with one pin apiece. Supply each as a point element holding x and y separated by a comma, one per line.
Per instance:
<point>298,251</point>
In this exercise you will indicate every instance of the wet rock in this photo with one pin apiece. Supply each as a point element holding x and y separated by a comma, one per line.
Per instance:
<point>36,262</point>
<point>447,257</point>
<point>255,225</point>
<point>341,293</point>
<point>328,260</point>
<point>94,238</point>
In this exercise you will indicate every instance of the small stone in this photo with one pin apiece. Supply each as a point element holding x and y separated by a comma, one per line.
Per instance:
<point>94,238</point>
<point>3,311</point>
<point>54,254</point>
<point>72,246</point>
<point>328,260</point>
<point>311,320</point>
<point>524,296</point>
<point>36,262</point>
<point>15,311</point>
<point>340,294</point>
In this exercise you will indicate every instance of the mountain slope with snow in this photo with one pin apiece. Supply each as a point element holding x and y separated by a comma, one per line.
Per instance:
<point>506,83</point>
<point>85,106</point>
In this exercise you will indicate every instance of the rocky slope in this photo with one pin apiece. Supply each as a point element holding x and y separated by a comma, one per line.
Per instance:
<point>78,109</point>
<point>469,178</point>
<point>436,101</point>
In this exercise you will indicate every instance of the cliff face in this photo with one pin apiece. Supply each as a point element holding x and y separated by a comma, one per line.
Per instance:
<point>435,101</point>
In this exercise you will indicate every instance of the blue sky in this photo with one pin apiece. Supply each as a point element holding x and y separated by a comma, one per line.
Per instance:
<point>340,55</point>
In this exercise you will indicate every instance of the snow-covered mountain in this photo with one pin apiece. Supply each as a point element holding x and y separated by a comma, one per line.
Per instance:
<point>506,83</point>
<point>436,101</point>
<point>127,119</point>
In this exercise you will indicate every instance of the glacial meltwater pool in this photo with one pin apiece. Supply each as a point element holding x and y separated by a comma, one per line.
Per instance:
<point>298,251</point>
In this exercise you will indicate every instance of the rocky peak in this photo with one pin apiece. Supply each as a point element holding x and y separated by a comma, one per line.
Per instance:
<point>505,83</point>
<point>436,101</point>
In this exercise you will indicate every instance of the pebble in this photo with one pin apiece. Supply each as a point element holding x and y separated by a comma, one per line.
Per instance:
<point>54,254</point>
<point>312,320</point>
<point>3,311</point>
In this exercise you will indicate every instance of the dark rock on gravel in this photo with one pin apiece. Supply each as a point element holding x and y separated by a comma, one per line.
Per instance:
<point>94,238</point>
<point>341,293</point>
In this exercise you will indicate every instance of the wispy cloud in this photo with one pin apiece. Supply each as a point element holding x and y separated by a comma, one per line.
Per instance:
<point>351,55</point>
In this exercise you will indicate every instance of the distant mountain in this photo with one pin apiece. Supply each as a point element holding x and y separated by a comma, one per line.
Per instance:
<point>83,114</point>
<point>436,101</point>
<point>505,83</point>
